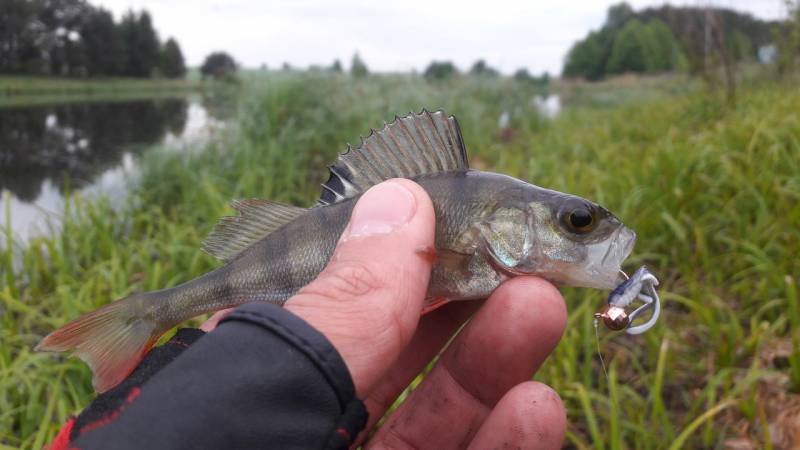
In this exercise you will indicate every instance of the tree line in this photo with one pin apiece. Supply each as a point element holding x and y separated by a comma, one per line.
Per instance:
<point>437,70</point>
<point>442,70</point>
<point>75,39</point>
<point>666,38</point>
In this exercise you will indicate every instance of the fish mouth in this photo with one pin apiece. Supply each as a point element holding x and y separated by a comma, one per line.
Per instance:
<point>600,269</point>
<point>621,247</point>
<point>607,268</point>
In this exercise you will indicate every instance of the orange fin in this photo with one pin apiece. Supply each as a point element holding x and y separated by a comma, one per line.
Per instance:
<point>428,253</point>
<point>454,260</point>
<point>112,341</point>
<point>434,304</point>
<point>445,257</point>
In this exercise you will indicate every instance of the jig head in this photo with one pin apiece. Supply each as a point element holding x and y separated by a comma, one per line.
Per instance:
<point>639,286</point>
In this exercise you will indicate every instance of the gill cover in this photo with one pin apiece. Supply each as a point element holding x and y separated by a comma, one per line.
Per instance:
<point>510,237</point>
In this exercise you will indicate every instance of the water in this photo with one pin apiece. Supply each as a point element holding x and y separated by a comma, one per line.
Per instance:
<point>548,105</point>
<point>90,148</point>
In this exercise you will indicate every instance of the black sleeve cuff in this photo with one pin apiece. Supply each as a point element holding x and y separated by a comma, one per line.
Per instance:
<point>106,404</point>
<point>263,379</point>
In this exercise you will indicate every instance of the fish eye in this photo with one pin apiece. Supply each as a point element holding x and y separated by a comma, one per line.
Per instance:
<point>579,219</point>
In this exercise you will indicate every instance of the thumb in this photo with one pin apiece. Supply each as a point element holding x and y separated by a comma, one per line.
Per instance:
<point>368,299</point>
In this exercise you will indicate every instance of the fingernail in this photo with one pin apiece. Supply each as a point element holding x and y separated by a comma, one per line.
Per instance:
<point>381,210</point>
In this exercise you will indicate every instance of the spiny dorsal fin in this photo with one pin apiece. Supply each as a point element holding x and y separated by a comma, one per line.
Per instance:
<point>417,144</point>
<point>257,218</point>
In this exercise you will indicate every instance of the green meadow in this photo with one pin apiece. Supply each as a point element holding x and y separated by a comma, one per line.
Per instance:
<point>712,191</point>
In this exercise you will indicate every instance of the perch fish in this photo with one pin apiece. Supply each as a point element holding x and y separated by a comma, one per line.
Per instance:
<point>489,227</point>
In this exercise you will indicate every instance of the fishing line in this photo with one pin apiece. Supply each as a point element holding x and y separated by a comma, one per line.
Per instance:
<point>611,396</point>
<point>599,353</point>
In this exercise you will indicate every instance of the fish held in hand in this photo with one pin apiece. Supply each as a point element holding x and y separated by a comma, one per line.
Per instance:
<point>489,227</point>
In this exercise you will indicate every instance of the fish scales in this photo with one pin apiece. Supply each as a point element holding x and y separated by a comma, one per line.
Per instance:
<point>274,268</point>
<point>489,227</point>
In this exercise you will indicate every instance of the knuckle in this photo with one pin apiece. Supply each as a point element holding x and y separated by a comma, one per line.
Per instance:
<point>348,280</point>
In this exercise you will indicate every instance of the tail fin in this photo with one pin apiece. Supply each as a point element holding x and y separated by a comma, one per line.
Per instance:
<point>111,340</point>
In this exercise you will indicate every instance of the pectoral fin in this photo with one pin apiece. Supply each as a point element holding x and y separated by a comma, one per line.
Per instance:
<point>454,260</point>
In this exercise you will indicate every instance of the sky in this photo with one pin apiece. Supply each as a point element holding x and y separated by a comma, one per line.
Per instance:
<point>392,36</point>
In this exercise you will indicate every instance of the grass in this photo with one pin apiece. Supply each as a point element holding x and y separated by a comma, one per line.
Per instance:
<point>26,91</point>
<point>712,192</point>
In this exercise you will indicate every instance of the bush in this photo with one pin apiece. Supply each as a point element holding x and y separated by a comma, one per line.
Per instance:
<point>218,65</point>
<point>439,70</point>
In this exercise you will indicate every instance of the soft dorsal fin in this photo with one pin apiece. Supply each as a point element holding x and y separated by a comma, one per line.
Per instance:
<point>417,144</point>
<point>257,218</point>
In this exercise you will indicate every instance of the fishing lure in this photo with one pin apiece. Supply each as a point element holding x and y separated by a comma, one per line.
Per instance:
<point>640,286</point>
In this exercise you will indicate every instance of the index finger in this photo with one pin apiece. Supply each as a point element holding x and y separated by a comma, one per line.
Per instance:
<point>504,344</point>
<point>213,321</point>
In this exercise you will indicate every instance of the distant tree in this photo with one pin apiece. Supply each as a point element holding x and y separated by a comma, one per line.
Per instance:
<point>19,30</point>
<point>630,49</point>
<point>218,65</point>
<point>618,14</point>
<point>787,38</point>
<point>544,79</point>
<point>740,47</point>
<point>336,66</point>
<point>480,68</point>
<point>587,58</point>
<point>149,45</point>
<point>644,48</point>
<point>74,38</point>
<point>721,53</point>
<point>696,37</point>
<point>661,49</point>
<point>102,44</point>
<point>172,63</point>
<point>59,42</point>
<point>142,49</point>
<point>439,70</point>
<point>357,67</point>
<point>690,44</point>
<point>522,74</point>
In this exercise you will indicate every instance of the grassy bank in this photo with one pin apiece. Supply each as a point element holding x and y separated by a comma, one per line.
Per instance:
<point>712,193</point>
<point>25,91</point>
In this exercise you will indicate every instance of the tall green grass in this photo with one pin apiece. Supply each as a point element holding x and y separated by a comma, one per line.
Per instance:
<point>712,193</point>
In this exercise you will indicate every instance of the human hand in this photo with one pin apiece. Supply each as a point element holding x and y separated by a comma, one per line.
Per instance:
<point>367,302</point>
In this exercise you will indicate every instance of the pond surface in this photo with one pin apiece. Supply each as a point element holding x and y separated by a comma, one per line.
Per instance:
<point>88,147</point>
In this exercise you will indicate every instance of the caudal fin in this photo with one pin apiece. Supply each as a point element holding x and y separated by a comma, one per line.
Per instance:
<point>111,340</point>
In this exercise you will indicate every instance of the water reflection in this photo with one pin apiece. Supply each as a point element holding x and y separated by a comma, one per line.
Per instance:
<point>75,142</point>
<point>88,147</point>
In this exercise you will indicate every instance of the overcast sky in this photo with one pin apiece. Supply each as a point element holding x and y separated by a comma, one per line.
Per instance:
<point>391,36</point>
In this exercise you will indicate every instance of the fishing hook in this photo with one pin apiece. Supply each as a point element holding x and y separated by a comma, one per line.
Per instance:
<point>639,286</point>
